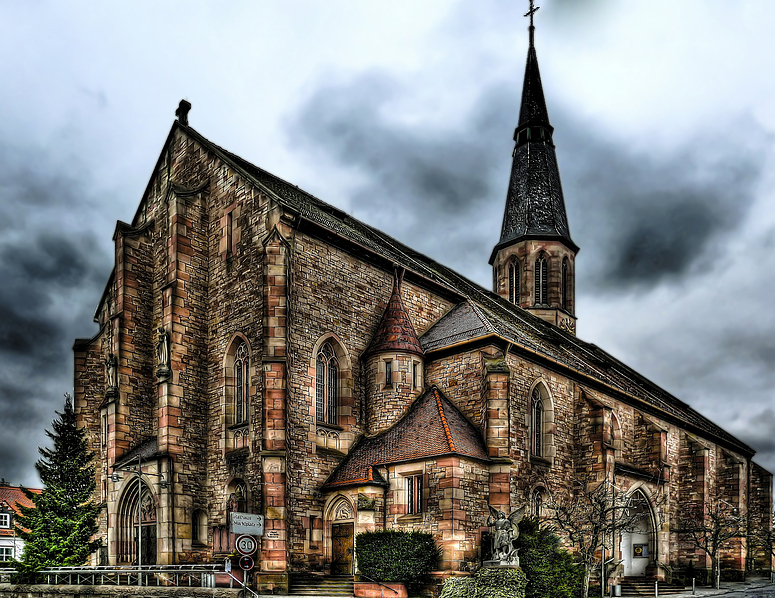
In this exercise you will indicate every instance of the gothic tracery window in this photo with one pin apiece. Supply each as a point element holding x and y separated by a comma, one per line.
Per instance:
<point>514,282</point>
<point>241,384</point>
<point>541,280</point>
<point>536,423</point>
<point>326,385</point>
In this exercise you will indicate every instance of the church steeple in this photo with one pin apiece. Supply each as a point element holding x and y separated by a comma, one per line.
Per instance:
<point>534,259</point>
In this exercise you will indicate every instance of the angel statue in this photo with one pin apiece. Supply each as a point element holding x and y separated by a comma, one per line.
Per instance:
<point>504,531</point>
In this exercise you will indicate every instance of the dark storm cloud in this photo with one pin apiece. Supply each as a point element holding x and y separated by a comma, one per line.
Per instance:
<point>52,271</point>
<point>640,218</point>
<point>655,216</point>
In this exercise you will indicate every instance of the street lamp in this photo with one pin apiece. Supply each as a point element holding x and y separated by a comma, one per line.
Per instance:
<point>116,477</point>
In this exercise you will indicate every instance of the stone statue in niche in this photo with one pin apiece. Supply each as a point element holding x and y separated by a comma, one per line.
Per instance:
<point>162,353</point>
<point>111,377</point>
<point>504,530</point>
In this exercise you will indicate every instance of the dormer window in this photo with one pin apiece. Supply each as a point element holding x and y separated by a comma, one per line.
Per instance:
<point>5,520</point>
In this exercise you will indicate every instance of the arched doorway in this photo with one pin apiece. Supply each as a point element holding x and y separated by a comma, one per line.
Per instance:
<point>342,517</point>
<point>637,543</point>
<point>136,506</point>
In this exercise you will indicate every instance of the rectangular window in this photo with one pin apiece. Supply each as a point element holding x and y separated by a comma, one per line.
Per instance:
<point>5,554</point>
<point>104,429</point>
<point>388,373</point>
<point>416,374</point>
<point>414,494</point>
<point>5,520</point>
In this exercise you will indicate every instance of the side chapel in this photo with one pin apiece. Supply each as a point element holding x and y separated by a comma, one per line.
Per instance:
<point>267,353</point>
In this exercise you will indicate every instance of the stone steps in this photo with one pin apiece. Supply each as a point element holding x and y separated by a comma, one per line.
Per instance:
<point>321,585</point>
<point>633,587</point>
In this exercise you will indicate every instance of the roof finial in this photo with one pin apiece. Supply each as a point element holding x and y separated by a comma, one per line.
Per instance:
<point>182,112</point>
<point>530,14</point>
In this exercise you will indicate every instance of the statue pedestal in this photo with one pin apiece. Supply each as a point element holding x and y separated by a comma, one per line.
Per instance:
<point>512,564</point>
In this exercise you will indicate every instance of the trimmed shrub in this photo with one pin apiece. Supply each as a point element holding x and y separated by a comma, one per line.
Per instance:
<point>396,556</point>
<point>550,569</point>
<point>488,582</point>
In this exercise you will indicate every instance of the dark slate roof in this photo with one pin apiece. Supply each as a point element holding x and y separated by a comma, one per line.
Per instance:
<point>535,207</point>
<point>533,109</point>
<point>463,323</point>
<point>432,427</point>
<point>395,331</point>
<point>145,451</point>
<point>510,322</point>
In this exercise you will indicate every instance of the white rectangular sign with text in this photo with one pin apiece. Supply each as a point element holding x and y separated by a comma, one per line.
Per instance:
<point>246,523</point>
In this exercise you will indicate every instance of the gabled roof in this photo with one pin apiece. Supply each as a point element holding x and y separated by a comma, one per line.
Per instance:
<point>147,450</point>
<point>395,331</point>
<point>563,352</point>
<point>432,427</point>
<point>9,497</point>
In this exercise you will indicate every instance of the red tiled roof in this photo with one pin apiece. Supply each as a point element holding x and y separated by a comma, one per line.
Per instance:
<point>433,427</point>
<point>9,496</point>
<point>395,331</point>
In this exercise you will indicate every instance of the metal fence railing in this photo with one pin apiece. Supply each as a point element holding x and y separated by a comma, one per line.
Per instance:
<point>145,575</point>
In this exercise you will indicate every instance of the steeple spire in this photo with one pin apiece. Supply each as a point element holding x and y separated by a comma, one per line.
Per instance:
<point>535,207</point>
<point>534,260</point>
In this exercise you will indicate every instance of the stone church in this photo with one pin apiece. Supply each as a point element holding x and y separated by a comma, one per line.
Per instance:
<point>267,353</point>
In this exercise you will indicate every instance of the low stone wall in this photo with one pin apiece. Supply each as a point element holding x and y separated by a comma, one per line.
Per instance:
<point>60,591</point>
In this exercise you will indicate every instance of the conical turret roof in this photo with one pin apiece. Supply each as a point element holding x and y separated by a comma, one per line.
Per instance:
<point>395,331</point>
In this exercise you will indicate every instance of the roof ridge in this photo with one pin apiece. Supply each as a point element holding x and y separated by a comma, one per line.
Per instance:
<point>444,422</point>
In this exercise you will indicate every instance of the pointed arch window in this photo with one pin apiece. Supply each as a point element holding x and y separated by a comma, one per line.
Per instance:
<point>326,385</point>
<point>565,283</point>
<point>537,502</point>
<point>514,282</point>
<point>241,384</point>
<point>541,280</point>
<point>536,423</point>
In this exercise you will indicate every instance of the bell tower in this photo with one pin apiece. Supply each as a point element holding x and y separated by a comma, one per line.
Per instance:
<point>534,262</point>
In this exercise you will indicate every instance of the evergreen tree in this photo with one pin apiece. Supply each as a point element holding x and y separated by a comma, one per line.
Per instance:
<point>57,531</point>
<point>550,569</point>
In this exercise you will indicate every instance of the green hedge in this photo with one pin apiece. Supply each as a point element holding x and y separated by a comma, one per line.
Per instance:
<point>396,556</point>
<point>550,569</point>
<point>488,582</point>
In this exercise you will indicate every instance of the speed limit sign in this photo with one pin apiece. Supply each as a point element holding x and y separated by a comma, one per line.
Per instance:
<point>246,545</point>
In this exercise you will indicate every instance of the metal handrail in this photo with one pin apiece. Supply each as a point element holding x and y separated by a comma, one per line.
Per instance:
<point>378,582</point>
<point>240,582</point>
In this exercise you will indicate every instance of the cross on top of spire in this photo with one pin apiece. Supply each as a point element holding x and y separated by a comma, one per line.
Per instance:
<point>530,14</point>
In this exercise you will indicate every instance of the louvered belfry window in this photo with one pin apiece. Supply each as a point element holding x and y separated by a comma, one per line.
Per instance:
<point>241,384</point>
<point>326,385</point>
<point>541,281</point>
<point>514,282</point>
<point>565,283</point>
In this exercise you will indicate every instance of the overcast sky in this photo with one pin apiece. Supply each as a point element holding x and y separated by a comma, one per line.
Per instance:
<point>402,112</point>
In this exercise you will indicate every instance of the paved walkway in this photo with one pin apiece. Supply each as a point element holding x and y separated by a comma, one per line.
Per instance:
<point>753,588</point>
<point>758,587</point>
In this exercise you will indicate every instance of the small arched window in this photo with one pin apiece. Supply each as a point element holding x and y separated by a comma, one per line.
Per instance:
<point>541,280</point>
<point>514,282</point>
<point>326,385</point>
<point>565,283</point>
<point>241,384</point>
<point>537,502</point>
<point>536,423</point>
